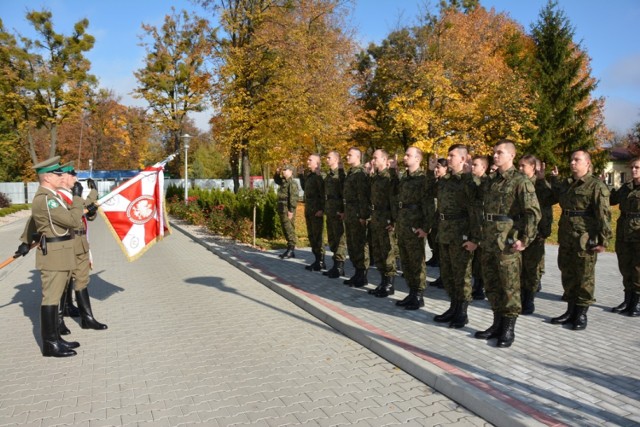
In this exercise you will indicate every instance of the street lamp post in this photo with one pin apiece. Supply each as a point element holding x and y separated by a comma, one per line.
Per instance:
<point>90,168</point>
<point>186,138</point>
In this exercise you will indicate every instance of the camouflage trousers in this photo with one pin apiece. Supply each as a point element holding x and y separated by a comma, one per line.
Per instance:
<point>336,237</point>
<point>357,242</point>
<point>412,256</point>
<point>629,264</point>
<point>289,228</point>
<point>383,248</point>
<point>578,274</point>
<point>315,227</point>
<point>501,273</point>
<point>532,265</point>
<point>455,271</point>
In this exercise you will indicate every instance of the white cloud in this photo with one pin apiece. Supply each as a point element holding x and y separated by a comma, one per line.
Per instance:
<point>621,114</point>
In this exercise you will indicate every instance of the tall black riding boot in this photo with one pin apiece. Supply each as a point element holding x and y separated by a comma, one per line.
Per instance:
<point>388,288</point>
<point>580,317</point>
<point>86,315</point>
<point>508,333</point>
<point>527,298</point>
<point>447,315</point>
<point>70,310</point>
<point>336,271</point>
<point>477,289</point>
<point>624,305</point>
<point>51,347</point>
<point>493,331</point>
<point>383,282</point>
<point>634,305</point>
<point>566,317</point>
<point>62,328</point>
<point>460,318</point>
<point>416,302</point>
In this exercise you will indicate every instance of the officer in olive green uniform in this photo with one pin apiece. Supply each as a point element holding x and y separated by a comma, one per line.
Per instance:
<point>81,274</point>
<point>584,231</point>
<point>533,255</point>
<point>314,198</point>
<point>628,240</point>
<point>55,258</point>
<point>333,209</point>
<point>384,188</point>
<point>511,216</point>
<point>458,233</point>
<point>411,226</point>
<point>287,202</point>
<point>356,215</point>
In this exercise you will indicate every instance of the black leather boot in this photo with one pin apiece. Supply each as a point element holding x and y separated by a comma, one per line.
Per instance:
<point>51,347</point>
<point>493,331</point>
<point>477,290</point>
<point>447,315</point>
<point>361,279</point>
<point>406,299</point>
<point>566,317</point>
<point>336,271</point>
<point>353,279</point>
<point>388,289</point>
<point>383,282</point>
<point>508,333</point>
<point>580,317</point>
<point>634,305</point>
<point>62,328</point>
<point>438,283</point>
<point>527,298</point>
<point>416,302</point>
<point>460,318</point>
<point>315,265</point>
<point>86,314</point>
<point>70,310</point>
<point>624,305</point>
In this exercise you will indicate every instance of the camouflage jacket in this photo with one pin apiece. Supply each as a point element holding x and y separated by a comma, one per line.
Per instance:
<point>413,205</point>
<point>628,225</point>
<point>586,216</point>
<point>511,210</point>
<point>384,189</point>
<point>287,193</point>
<point>457,211</point>
<point>356,194</point>
<point>313,185</point>
<point>333,182</point>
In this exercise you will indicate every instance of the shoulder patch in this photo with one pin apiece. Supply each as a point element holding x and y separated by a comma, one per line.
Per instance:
<point>52,203</point>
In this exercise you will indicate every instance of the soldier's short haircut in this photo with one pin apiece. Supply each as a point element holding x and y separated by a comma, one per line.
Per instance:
<point>442,162</point>
<point>383,152</point>
<point>418,151</point>
<point>507,142</point>
<point>483,159</point>
<point>529,159</point>
<point>315,156</point>
<point>462,147</point>
<point>334,152</point>
<point>581,150</point>
<point>356,149</point>
<point>635,159</point>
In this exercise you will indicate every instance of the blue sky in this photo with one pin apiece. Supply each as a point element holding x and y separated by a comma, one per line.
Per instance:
<point>607,30</point>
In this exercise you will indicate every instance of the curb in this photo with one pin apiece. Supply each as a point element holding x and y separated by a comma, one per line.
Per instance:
<point>477,396</point>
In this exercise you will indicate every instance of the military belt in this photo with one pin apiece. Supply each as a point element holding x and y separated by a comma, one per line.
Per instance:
<point>59,239</point>
<point>576,213</point>
<point>80,232</point>
<point>451,217</point>
<point>408,206</point>
<point>495,217</point>
<point>630,214</point>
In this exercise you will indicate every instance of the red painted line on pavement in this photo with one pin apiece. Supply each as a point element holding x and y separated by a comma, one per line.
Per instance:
<point>422,354</point>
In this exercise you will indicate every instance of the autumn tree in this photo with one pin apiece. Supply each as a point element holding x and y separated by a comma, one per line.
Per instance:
<point>45,80</point>
<point>175,79</point>
<point>567,117</point>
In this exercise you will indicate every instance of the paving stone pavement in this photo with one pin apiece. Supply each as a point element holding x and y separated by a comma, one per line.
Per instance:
<point>192,340</point>
<point>550,376</point>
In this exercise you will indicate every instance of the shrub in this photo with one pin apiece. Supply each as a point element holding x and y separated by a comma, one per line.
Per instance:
<point>5,202</point>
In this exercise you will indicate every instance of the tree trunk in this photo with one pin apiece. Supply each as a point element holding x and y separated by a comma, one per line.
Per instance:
<point>233,161</point>
<point>54,140</point>
<point>246,168</point>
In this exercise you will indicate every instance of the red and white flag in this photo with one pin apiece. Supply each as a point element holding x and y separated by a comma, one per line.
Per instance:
<point>135,211</point>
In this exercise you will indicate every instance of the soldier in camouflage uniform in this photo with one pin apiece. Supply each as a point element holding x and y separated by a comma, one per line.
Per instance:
<point>384,187</point>
<point>313,184</point>
<point>458,233</point>
<point>356,216</point>
<point>533,255</point>
<point>584,231</point>
<point>435,173</point>
<point>510,221</point>
<point>287,202</point>
<point>479,168</point>
<point>334,207</point>
<point>411,223</point>
<point>628,240</point>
